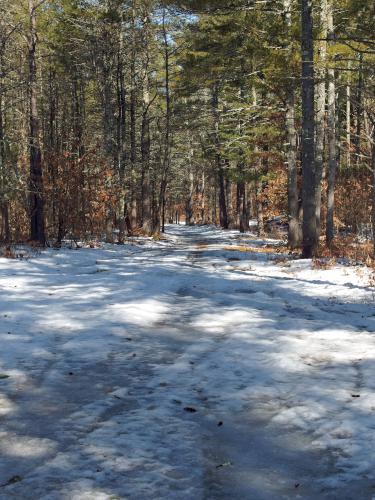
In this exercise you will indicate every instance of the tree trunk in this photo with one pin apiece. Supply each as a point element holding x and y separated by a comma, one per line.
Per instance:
<point>320,111</point>
<point>5,226</point>
<point>121,135</point>
<point>332,140</point>
<point>294,230</point>
<point>146,193</point>
<point>244,220</point>
<point>36,171</point>
<point>294,225</point>
<point>4,205</point>
<point>250,203</point>
<point>348,124</point>
<point>309,232</point>
<point>240,204</point>
<point>203,194</point>
<point>359,113</point>
<point>231,212</point>
<point>259,207</point>
<point>78,106</point>
<point>146,215</point>
<point>107,116</point>
<point>222,201</point>
<point>228,189</point>
<point>213,201</point>
<point>223,215</point>
<point>133,123</point>
<point>262,169</point>
<point>168,115</point>
<point>189,203</point>
<point>373,185</point>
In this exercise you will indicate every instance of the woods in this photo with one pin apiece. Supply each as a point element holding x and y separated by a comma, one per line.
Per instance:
<point>119,116</point>
<point>187,249</point>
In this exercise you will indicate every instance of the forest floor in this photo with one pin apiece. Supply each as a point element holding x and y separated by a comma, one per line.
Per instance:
<point>186,369</point>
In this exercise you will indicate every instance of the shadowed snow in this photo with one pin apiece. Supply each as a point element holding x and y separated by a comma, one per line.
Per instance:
<point>185,369</point>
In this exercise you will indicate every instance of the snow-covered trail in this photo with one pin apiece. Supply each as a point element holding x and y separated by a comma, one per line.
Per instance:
<point>185,369</point>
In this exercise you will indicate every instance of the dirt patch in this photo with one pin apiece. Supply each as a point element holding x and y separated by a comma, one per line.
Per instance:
<point>265,249</point>
<point>201,245</point>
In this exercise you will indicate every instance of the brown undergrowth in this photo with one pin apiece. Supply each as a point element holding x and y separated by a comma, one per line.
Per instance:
<point>349,248</point>
<point>281,249</point>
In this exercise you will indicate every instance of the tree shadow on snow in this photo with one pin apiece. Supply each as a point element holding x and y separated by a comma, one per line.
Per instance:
<point>106,360</point>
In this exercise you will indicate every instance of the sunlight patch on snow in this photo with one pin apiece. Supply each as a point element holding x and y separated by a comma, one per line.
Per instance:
<point>13,445</point>
<point>61,321</point>
<point>141,313</point>
<point>86,490</point>
<point>6,405</point>
<point>214,322</point>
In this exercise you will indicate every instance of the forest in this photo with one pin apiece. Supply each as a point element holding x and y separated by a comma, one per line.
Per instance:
<point>119,116</point>
<point>187,249</point>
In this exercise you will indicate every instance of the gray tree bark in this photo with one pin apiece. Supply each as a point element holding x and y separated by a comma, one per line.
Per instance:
<point>145,151</point>
<point>36,171</point>
<point>309,232</point>
<point>320,109</point>
<point>4,206</point>
<point>168,115</point>
<point>190,201</point>
<point>373,184</point>
<point>259,207</point>
<point>332,139</point>
<point>359,111</point>
<point>223,215</point>
<point>348,120</point>
<point>121,134</point>
<point>294,226</point>
<point>228,189</point>
<point>294,230</point>
<point>133,122</point>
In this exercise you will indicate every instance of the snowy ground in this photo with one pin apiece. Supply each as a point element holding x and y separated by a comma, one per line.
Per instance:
<point>184,369</point>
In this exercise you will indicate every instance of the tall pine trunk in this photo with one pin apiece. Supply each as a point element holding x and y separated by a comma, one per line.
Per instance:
<point>133,123</point>
<point>146,214</point>
<point>145,152</point>
<point>223,215</point>
<point>229,199</point>
<point>190,200</point>
<point>242,219</point>
<point>359,111</point>
<point>373,184</point>
<point>332,140</point>
<point>309,231</point>
<point>348,119</point>
<point>222,199</point>
<point>121,135</point>
<point>294,228</point>
<point>168,116</point>
<point>4,206</point>
<point>36,172</point>
<point>320,111</point>
<point>259,207</point>
<point>203,194</point>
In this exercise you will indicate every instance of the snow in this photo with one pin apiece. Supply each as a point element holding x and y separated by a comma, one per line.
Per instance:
<point>185,369</point>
